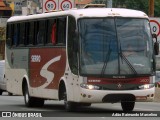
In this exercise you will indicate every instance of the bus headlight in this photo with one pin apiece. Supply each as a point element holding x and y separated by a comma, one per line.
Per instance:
<point>90,87</point>
<point>146,86</point>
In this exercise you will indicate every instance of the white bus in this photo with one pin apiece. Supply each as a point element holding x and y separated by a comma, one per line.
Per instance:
<point>80,56</point>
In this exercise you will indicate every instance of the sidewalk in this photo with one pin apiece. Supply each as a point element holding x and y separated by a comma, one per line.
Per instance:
<point>157,95</point>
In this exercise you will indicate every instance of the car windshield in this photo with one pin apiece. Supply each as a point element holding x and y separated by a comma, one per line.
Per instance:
<point>115,46</point>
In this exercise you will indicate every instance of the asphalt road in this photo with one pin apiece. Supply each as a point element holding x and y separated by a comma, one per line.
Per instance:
<point>54,110</point>
<point>15,105</point>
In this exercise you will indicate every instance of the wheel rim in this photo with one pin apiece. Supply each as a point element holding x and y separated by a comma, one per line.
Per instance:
<point>65,98</point>
<point>26,96</point>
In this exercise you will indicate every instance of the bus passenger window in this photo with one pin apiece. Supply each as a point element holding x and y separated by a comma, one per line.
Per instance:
<point>31,33</point>
<point>22,35</point>
<point>40,32</point>
<point>53,34</point>
<point>9,34</point>
<point>16,35</point>
<point>61,32</point>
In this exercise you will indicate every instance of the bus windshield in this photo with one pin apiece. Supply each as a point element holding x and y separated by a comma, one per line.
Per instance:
<point>115,46</point>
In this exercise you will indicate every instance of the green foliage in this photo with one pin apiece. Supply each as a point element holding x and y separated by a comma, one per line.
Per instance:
<point>132,4</point>
<point>157,8</point>
<point>99,1</point>
<point>142,5</point>
<point>2,33</point>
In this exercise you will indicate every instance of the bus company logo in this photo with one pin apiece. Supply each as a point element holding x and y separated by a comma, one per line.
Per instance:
<point>12,58</point>
<point>119,85</point>
<point>35,58</point>
<point>50,75</point>
<point>117,77</point>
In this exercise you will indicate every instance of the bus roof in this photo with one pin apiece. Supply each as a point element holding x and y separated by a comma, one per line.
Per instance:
<point>88,12</point>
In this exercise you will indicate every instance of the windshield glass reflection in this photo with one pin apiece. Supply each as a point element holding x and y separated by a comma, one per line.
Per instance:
<point>115,46</point>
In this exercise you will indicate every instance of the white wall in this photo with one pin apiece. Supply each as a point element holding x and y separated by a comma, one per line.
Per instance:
<point>3,22</point>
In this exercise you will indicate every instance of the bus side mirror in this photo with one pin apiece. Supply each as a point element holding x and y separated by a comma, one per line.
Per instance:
<point>156,45</point>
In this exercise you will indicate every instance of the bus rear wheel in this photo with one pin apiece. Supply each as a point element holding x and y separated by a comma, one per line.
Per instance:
<point>32,101</point>
<point>1,92</point>
<point>127,106</point>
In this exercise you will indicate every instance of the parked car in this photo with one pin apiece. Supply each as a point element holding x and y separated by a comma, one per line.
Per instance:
<point>2,77</point>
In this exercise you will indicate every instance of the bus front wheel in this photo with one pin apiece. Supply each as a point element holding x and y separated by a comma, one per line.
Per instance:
<point>128,106</point>
<point>69,106</point>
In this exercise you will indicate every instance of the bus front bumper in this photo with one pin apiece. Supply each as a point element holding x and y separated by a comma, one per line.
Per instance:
<point>113,96</point>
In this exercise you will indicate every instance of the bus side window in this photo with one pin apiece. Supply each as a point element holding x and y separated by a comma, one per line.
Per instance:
<point>51,31</point>
<point>22,35</point>
<point>12,35</point>
<point>15,35</point>
<point>40,30</point>
<point>61,31</point>
<point>53,34</point>
<point>31,33</point>
<point>72,54</point>
<point>9,34</point>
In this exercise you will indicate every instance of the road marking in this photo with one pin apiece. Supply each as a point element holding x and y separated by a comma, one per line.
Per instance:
<point>139,109</point>
<point>143,109</point>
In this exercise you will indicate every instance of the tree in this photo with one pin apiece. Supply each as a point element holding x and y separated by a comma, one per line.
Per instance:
<point>142,5</point>
<point>132,4</point>
<point>99,1</point>
<point>157,8</point>
<point>2,33</point>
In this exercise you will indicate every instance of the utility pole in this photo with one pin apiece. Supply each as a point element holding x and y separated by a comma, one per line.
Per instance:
<point>151,8</point>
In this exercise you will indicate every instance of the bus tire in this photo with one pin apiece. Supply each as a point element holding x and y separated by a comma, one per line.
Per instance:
<point>1,92</point>
<point>85,104</point>
<point>69,106</point>
<point>39,102</point>
<point>128,106</point>
<point>10,94</point>
<point>32,101</point>
<point>29,101</point>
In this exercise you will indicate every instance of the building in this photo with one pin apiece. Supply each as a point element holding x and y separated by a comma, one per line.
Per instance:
<point>5,13</point>
<point>30,7</point>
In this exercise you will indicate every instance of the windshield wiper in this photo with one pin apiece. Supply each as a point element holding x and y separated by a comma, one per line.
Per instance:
<point>106,60</point>
<point>125,59</point>
<point>121,54</point>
